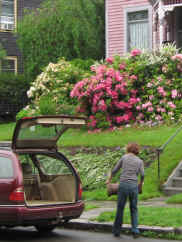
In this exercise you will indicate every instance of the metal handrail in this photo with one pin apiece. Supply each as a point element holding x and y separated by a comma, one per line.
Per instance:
<point>161,149</point>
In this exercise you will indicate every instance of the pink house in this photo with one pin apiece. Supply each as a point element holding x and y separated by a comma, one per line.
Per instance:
<point>143,24</point>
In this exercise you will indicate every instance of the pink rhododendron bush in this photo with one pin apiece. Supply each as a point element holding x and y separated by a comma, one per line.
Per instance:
<point>140,88</point>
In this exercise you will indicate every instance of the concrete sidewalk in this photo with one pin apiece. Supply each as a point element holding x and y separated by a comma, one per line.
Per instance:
<point>86,221</point>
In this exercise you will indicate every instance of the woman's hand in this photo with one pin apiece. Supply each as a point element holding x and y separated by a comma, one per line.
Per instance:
<point>140,187</point>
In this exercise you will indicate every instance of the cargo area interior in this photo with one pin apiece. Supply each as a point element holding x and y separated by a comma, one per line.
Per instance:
<point>43,189</point>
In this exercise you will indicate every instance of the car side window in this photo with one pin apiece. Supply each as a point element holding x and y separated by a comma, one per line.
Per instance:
<point>6,168</point>
<point>53,166</point>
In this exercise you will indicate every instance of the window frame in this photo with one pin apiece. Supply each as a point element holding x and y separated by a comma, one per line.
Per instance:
<point>15,18</point>
<point>132,10</point>
<point>14,58</point>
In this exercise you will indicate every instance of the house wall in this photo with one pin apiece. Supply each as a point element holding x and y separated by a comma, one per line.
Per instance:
<point>8,39</point>
<point>116,24</point>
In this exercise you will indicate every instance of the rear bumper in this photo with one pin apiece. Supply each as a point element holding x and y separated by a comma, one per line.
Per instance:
<point>23,215</point>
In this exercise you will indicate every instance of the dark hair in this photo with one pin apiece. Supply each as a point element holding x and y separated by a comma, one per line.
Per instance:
<point>133,148</point>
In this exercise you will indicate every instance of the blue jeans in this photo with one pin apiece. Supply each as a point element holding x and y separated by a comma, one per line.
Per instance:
<point>126,190</point>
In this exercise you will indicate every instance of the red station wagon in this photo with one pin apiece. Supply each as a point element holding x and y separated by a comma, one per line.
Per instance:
<point>38,185</point>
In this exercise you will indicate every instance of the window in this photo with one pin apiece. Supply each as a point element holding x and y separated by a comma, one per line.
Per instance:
<point>9,64</point>
<point>6,168</point>
<point>138,31</point>
<point>7,14</point>
<point>53,166</point>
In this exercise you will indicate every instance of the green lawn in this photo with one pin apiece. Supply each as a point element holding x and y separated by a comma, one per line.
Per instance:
<point>151,216</point>
<point>6,131</point>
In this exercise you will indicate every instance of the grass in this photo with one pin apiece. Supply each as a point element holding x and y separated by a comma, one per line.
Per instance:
<point>6,131</point>
<point>155,136</point>
<point>175,199</point>
<point>151,216</point>
<point>90,207</point>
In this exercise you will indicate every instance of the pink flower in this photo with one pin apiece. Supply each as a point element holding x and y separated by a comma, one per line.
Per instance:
<point>114,95</point>
<point>110,60</point>
<point>158,117</point>
<point>151,97</point>
<point>94,109</point>
<point>134,92</point>
<point>177,57</point>
<point>135,52</point>
<point>133,77</point>
<point>150,109</point>
<point>101,69</point>
<point>119,119</point>
<point>102,105</point>
<point>171,105</point>
<point>146,105</point>
<point>163,110</point>
<point>122,66</point>
<point>174,93</point>
<point>133,100</point>
<point>149,84</point>
<point>161,91</point>
<point>138,107</point>
<point>110,72</point>
<point>93,121</point>
<point>93,68</point>
<point>159,78</point>
<point>118,76</point>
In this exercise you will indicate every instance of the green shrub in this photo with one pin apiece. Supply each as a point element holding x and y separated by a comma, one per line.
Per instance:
<point>83,64</point>
<point>47,105</point>
<point>50,92</point>
<point>13,90</point>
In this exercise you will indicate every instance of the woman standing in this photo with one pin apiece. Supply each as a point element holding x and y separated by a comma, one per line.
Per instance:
<point>132,167</point>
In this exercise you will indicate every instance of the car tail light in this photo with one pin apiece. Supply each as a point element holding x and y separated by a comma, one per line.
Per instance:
<point>80,191</point>
<point>17,195</point>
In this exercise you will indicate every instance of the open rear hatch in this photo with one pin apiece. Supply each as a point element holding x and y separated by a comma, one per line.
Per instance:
<point>49,179</point>
<point>42,132</point>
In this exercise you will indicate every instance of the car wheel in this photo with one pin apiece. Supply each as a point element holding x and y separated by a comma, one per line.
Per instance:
<point>45,228</point>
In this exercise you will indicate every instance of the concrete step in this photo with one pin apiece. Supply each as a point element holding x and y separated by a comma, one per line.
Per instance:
<point>180,172</point>
<point>177,182</point>
<point>168,191</point>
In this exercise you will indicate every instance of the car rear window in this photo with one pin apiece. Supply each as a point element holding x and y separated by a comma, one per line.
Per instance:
<point>6,168</point>
<point>53,166</point>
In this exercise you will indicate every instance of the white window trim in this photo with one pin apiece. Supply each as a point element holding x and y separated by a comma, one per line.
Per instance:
<point>15,60</point>
<point>137,9</point>
<point>15,20</point>
<point>106,30</point>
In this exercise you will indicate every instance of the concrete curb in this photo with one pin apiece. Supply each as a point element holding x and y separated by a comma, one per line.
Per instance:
<point>90,225</point>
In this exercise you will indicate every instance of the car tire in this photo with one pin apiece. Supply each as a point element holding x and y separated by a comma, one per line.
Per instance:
<point>45,228</point>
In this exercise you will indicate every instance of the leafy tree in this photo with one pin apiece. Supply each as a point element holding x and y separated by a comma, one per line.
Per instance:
<point>59,28</point>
